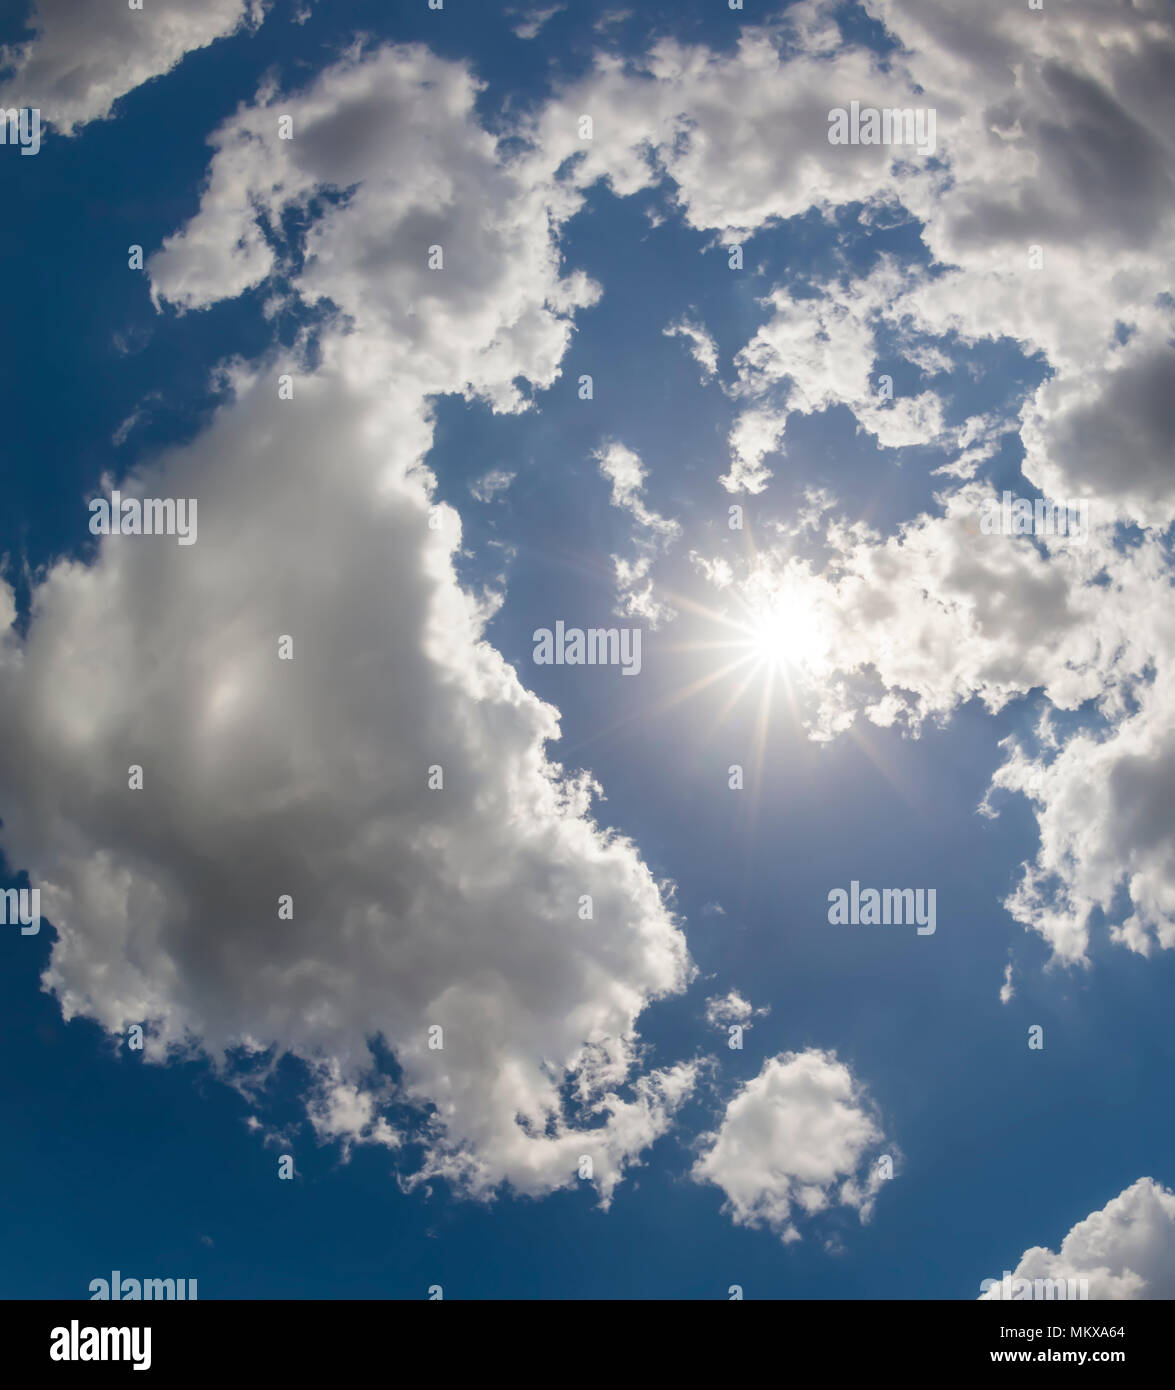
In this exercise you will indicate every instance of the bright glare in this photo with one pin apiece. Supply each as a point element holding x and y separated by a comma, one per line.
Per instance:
<point>785,635</point>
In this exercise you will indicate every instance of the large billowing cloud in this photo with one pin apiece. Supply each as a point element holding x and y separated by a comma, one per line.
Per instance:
<point>85,54</point>
<point>1124,1251</point>
<point>796,1140</point>
<point>392,777</point>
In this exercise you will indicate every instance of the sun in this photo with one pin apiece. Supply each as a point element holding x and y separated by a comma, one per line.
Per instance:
<point>783,635</point>
<point>773,640</point>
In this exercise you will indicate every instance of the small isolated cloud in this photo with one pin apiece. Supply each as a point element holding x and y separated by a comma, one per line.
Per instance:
<point>120,435</point>
<point>133,420</point>
<point>530,26</point>
<point>653,535</point>
<point>270,1135</point>
<point>793,1142</point>
<point>610,18</point>
<point>495,481</point>
<point>1126,1250</point>
<point>731,1008</point>
<point>627,474</point>
<point>1007,990</point>
<point>702,347</point>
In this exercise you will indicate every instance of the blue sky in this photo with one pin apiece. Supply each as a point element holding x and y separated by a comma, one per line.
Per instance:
<point>918,705</point>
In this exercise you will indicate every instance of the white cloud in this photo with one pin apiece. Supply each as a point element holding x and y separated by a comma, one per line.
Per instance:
<point>652,534</point>
<point>529,27</point>
<point>1126,1250</point>
<point>818,351</point>
<point>85,54</point>
<point>937,613</point>
<point>794,1141</point>
<point>413,907</point>
<point>1124,773</point>
<point>731,1008</point>
<point>757,432</point>
<point>611,17</point>
<point>397,129</point>
<point>702,346</point>
<point>743,134</point>
<point>728,1008</point>
<point>486,488</point>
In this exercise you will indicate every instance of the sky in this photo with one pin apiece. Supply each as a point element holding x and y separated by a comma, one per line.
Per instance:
<point>379,957</point>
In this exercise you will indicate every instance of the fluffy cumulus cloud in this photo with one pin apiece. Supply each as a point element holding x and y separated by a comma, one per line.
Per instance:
<point>1103,803</point>
<point>1106,430</point>
<point>743,135</point>
<point>392,777</point>
<point>798,1139</point>
<point>438,251</point>
<point>84,54</point>
<point>722,1009</point>
<point>1124,1251</point>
